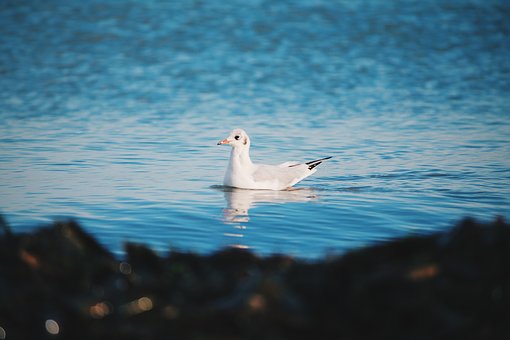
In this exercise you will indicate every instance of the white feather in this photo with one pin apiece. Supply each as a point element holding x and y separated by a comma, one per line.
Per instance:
<point>242,173</point>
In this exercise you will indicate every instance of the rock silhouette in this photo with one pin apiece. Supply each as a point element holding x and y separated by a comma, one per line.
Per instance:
<point>59,282</point>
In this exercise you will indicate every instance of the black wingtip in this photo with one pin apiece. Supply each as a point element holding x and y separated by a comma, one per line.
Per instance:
<point>318,160</point>
<point>313,165</point>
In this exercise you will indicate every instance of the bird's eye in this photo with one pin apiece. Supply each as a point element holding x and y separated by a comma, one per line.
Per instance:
<point>236,137</point>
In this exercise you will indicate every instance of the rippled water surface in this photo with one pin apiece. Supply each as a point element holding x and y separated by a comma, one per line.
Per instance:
<point>110,113</point>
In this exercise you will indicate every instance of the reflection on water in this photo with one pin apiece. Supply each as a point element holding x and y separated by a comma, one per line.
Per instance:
<point>240,201</point>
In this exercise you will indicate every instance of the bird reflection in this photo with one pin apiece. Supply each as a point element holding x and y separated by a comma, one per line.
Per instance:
<point>240,201</point>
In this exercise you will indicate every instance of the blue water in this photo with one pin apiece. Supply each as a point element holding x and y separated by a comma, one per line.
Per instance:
<point>110,112</point>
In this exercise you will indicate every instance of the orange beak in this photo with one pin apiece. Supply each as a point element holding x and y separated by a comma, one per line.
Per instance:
<point>225,141</point>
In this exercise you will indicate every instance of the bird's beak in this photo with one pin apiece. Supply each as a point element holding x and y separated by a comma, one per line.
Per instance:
<point>225,141</point>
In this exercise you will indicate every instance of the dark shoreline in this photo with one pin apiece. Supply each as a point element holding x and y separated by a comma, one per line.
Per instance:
<point>451,285</point>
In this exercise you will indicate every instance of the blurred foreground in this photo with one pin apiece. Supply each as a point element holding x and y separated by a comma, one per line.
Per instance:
<point>58,282</point>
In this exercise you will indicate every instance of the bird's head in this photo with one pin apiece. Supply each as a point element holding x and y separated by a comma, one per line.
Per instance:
<point>237,138</point>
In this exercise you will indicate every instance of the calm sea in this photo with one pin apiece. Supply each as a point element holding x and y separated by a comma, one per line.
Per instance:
<point>110,112</point>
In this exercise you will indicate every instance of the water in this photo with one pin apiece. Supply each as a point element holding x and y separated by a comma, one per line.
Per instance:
<point>110,113</point>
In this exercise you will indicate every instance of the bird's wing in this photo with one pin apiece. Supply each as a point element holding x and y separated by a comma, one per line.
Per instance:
<point>287,164</point>
<point>311,164</point>
<point>285,175</point>
<point>280,177</point>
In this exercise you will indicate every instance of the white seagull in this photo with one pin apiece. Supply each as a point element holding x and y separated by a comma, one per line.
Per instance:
<point>242,173</point>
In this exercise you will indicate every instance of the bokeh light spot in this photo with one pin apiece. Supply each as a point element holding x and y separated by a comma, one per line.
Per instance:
<point>52,326</point>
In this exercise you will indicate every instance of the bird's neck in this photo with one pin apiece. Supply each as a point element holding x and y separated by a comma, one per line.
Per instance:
<point>240,157</point>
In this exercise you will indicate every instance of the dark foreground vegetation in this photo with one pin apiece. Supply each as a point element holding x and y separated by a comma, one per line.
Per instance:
<point>59,283</point>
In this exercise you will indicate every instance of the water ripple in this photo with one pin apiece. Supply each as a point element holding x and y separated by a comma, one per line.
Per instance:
<point>111,112</point>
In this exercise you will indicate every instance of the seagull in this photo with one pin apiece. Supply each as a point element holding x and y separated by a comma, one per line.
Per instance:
<point>243,173</point>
